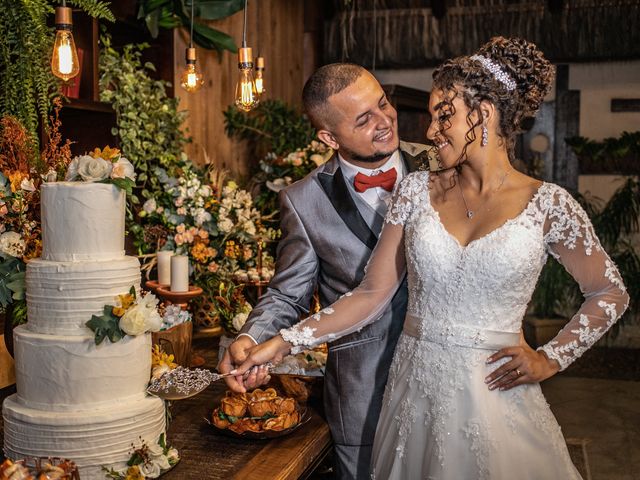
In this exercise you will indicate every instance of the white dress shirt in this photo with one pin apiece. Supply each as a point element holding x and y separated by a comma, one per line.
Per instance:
<point>377,197</point>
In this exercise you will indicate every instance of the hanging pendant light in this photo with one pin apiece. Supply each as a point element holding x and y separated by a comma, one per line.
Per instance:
<point>259,75</point>
<point>246,94</point>
<point>260,87</point>
<point>191,79</point>
<point>64,61</point>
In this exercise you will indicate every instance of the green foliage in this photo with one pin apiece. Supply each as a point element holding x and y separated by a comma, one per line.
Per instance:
<point>11,279</point>
<point>607,149</point>
<point>106,325</point>
<point>177,13</point>
<point>27,85</point>
<point>148,120</point>
<point>273,127</point>
<point>94,8</point>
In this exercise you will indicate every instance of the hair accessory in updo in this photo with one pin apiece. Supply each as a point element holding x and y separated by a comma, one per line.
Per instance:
<point>500,75</point>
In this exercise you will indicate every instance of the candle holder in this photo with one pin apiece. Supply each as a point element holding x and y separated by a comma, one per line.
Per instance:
<point>182,299</point>
<point>153,285</point>
<point>178,298</point>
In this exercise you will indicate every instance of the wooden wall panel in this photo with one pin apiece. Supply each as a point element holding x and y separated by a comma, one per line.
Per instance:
<point>281,43</point>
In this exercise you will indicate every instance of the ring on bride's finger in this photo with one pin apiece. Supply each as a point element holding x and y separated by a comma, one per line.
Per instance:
<point>518,372</point>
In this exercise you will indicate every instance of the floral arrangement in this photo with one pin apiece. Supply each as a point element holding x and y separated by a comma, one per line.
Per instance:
<point>130,316</point>
<point>231,307</point>
<point>147,461</point>
<point>174,315</point>
<point>279,171</point>
<point>103,166</point>
<point>199,213</point>
<point>22,170</point>
<point>161,362</point>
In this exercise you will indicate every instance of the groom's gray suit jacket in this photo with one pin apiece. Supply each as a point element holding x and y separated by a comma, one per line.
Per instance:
<point>326,243</point>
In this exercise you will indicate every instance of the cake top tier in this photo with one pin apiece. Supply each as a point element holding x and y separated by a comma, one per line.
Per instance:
<point>82,221</point>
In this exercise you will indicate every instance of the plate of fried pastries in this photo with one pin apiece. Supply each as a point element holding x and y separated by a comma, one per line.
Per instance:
<point>259,414</point>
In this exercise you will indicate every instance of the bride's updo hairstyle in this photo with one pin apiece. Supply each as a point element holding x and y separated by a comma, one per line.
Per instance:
<point>511,73</point>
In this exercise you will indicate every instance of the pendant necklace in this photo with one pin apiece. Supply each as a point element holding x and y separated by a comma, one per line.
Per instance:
<point>471,213</point>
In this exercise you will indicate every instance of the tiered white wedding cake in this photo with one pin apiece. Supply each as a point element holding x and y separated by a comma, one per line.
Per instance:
<point>74,399</point>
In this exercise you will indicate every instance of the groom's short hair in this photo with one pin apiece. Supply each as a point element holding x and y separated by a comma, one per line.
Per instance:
<point>323,83</point>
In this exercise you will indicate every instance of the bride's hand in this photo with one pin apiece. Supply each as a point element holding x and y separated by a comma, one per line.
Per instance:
<point>526,366</point>
<point>272,350</point>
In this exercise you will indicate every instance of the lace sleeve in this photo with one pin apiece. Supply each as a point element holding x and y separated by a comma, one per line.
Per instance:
<point>384,274</point>
<point>570,239</point>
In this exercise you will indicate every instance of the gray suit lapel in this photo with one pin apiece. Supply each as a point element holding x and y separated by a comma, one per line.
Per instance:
<point>334,185</point>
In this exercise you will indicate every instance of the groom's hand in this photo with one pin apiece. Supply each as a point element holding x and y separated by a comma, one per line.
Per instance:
<point>235,355</point>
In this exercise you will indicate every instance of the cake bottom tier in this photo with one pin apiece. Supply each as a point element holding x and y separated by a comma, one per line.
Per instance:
<point>93,439</point>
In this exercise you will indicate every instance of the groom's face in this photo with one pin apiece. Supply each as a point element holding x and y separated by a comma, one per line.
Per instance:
<point>362,124</point>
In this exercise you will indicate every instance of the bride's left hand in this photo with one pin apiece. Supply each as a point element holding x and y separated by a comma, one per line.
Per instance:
<point>526,366</point>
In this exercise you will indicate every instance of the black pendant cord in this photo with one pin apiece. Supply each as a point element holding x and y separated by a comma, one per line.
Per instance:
<point>244,25</point>
<point>193,2</point>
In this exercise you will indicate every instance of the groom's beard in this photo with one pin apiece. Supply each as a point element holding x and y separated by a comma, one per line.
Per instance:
<point>375,158</point>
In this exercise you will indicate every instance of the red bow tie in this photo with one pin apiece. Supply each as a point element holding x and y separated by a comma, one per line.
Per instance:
<point>384,180</point>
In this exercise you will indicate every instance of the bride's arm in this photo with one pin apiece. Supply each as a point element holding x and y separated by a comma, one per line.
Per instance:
<point>570,239</point>
<point>384,273</point>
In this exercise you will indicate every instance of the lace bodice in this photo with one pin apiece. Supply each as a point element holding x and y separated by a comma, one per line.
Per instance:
<point>485,285</point>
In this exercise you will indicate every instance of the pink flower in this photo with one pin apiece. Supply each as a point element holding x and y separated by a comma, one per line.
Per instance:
<point>203,234</point>
<point>213,267</point>
<point>179,239</point>
<point>181,211</point>
<point>180,228</point>
<point>3,210</point>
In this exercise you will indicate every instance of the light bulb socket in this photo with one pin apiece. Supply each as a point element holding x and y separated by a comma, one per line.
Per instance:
<point>190,55</point>
<point>245,55</point>
<point>245,65</point>
<point>260,63</point>
<point>64,18</point>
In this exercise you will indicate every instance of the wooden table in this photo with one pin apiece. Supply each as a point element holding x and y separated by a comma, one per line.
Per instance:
<point>206,453</point>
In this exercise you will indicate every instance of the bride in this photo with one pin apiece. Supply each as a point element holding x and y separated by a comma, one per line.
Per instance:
<point>463,399</point>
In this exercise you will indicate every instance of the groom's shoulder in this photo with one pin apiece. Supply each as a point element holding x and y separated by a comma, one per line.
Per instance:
<point>310,182</point>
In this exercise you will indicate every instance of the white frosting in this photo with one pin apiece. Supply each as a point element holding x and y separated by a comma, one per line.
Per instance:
<point>77,400</point>
<point>59,373</point>
<point>82,221</point>
<point>62,296</point>
<point>95,438</point>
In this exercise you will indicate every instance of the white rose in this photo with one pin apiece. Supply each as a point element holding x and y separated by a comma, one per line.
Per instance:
<point>12,244</point>
<point>173,456</point>
<point>27,185</point>
<point>134,321</point>
<point>150,205</point>
<point>239,320</point>
<point>72,170</point>
<point>123,169</point>
<point>93,169</point>
<point>226,225</point>
<point>150,469</point>
<point>249,227</point>
<point>149,304</point>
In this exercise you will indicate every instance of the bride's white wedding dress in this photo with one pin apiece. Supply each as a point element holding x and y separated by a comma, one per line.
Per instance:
<point>439,420</point>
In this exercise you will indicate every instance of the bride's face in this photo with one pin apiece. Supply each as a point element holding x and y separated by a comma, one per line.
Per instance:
<point>450,126</point>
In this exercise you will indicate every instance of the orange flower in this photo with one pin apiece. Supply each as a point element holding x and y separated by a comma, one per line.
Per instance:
<point>106,153</point>
<point>126,301</point>
<point>16,179</point>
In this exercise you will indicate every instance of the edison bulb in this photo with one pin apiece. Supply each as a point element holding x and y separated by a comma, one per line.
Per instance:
<point>191,79</point>
<point>246,93</point>
<point>64,62</point>
<point>260,76</point>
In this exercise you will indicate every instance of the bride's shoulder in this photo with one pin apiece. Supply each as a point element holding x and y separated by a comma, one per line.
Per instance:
<point>414,182</point>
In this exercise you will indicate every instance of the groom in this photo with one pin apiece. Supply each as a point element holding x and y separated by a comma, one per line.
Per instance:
<point>330,223</point>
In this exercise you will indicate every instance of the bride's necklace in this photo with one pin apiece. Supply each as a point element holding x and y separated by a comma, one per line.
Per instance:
<point>471,213</point>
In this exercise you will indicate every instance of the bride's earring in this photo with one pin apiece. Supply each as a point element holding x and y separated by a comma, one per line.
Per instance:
<point>485,136</point>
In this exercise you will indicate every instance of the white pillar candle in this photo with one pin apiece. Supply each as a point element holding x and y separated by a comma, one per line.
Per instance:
<point>164,267</point>
<point>179,273</point>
